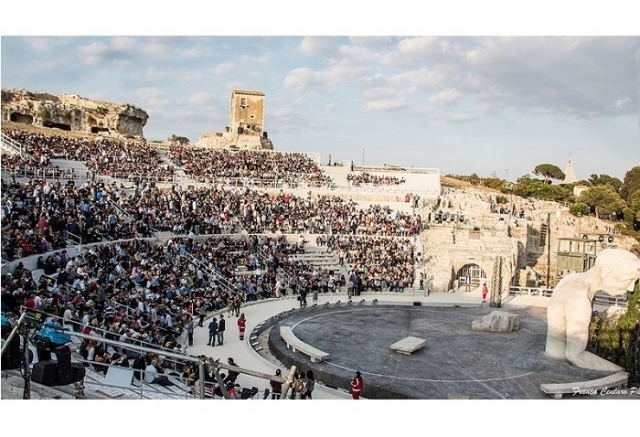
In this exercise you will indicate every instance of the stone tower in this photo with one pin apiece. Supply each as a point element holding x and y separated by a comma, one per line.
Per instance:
<point>247,112</point>
<point>569,173</point>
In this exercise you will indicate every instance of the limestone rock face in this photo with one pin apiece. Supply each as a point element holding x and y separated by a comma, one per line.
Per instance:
<point>73,113</point>
<point>497,321</point>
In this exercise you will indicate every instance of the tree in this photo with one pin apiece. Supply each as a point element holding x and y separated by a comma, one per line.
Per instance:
<point>603,200</point>
<point>548,171</point>
<point>631,183</point>
<point>177,139</point>
<point>605,179</point>
<point>578,209</point>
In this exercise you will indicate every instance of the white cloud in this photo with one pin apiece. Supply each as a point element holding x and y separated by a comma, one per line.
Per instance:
<point>156,49</point>
<point>153,98</point>
<point>378,92</point>
<point>418,80</point>
<point>120,50</point>
<point>224,68</point>
<point>45,43</point>
<point>314,45</point>
<point>445,97</point>
<point>190,53</point>
<point>149,93</point>
<point>410,50</point>
<point>340,73</point>
<point>123,43</point>
<point>385,104</point>
<point>620,103</point>
<point>201,98</point>
<point>191,75</point>
<point>245,59</point>
<point>299,79</point>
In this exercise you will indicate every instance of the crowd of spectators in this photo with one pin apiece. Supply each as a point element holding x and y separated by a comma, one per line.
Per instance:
<point>144,292</point>
<point>38,216</point>
<point>211,165</point>
<point>104,156</point>
<point>30,166</point>
<point>211,210</point>
<point>357,179</point>
<point>379,263</point>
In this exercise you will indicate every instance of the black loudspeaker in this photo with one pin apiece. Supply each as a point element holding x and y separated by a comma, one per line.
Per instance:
<point>44,372</point>
<point>57,372</point>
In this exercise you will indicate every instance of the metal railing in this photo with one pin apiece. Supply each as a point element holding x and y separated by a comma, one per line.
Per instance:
<point>13,145</point>
<point>599,298</point>
<point>76,239</point>
<point>42,173</point>
<point>214,275</point>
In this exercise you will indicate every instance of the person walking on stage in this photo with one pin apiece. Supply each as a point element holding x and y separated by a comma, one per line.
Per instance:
<point>242,325</point>
<point>356,386</point>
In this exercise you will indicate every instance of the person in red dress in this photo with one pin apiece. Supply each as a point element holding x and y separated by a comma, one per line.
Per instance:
<point>242,324</point>
<point>485,290</point>
<point>356,386</point>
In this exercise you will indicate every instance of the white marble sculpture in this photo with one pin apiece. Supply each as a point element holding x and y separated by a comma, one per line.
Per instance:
<point>569,313</point>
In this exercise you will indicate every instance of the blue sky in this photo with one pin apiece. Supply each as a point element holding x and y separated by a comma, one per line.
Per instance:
<point>464,104</point>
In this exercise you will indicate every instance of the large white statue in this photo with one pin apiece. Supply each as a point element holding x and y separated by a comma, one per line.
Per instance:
<point>569,313</point>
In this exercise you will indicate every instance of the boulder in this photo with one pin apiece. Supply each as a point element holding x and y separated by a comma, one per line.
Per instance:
<point>497,321</point>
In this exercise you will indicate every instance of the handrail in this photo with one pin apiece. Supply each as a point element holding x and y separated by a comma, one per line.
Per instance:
<point>14,145</point>
<point>599,298</point>
<point>158,348</point>
<point>76,238</point>
<point>217,277</point>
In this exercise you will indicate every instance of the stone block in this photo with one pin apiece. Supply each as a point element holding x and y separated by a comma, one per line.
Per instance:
<point>408,345</point>
<point>497,321</point>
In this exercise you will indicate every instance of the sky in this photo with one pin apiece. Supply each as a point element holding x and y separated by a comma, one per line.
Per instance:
<point>490,104</point>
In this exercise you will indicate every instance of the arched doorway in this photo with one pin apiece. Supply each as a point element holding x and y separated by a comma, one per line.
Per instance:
<point>471,276</point>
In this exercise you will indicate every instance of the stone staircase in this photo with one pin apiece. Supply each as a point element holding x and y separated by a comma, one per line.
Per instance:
<point>319,256</point>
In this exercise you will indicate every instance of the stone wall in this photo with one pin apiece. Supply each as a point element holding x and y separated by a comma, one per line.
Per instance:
<point>228,140</point>
<point>73,113</point>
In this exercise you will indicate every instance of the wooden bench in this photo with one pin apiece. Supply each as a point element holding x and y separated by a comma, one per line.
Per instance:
<point>617,380</point>
<point>296,345</point>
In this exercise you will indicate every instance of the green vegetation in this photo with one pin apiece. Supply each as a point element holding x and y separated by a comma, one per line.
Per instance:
<point>44,114</point>
<point>607,197</point>
<point>612,338</point>
<point>101,111</point>
<point>178,139</point>
<point>603,200</point>
<point>548,171</point>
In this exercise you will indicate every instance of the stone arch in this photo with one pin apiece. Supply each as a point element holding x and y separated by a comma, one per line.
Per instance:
<point>471,274</point>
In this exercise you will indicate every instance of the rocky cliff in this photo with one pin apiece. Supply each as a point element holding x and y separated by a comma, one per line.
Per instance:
<point>73,113</point>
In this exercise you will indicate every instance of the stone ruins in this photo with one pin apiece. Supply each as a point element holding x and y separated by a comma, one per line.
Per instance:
<point>246,125</point>
<point>73,113</point>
